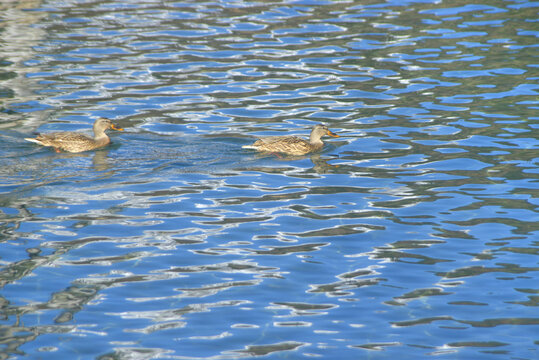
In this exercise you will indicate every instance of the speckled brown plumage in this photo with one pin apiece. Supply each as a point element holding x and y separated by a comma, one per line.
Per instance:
<point>293,145</point>
<point>77,142</point>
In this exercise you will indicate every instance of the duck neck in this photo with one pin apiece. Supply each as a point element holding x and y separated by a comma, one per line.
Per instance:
<point>315,140</point>
<point>101,138</point>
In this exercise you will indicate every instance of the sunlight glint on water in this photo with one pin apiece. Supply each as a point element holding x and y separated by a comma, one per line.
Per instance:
<point>411,235</point>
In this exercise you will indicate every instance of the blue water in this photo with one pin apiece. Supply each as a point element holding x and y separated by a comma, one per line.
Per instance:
<point>413,235</point>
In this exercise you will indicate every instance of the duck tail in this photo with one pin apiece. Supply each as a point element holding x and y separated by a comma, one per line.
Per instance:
<point>34,141</point>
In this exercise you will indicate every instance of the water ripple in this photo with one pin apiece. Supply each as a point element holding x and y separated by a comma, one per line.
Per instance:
<point>412,235</point>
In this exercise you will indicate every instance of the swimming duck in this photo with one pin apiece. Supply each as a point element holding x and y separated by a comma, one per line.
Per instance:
<point>77,142</point>
<point>293,145</point>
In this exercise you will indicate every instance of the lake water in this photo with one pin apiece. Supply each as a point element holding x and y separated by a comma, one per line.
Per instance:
<point>414,235</point>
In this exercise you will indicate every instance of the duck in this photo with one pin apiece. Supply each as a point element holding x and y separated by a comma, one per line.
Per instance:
<point>76,142</point>
<point>293,145</point>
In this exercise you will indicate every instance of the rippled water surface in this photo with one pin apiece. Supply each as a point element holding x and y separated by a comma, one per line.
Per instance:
<point>415,234</point>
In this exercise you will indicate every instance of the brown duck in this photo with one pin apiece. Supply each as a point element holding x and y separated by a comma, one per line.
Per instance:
<point>77,142</point>
<point>293,145</point>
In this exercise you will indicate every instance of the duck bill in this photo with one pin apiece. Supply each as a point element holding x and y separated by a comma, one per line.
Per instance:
<point>114,127</point>
<point>332,134</point>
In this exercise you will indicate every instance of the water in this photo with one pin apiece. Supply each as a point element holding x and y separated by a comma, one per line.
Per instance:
<point>413,235</point>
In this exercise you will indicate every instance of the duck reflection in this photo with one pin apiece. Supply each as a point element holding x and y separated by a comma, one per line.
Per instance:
<point>320,163</point>
<point>54,163</point>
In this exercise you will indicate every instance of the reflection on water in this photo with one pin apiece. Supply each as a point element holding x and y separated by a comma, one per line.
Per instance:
<point>18,39</point>
<point>412,235</point>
